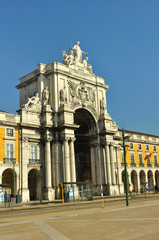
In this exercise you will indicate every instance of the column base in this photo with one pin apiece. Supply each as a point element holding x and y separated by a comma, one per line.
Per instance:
<point>121,188</point>
<point>49,194</point>
<point>25,195</point>
<point>113,190</point>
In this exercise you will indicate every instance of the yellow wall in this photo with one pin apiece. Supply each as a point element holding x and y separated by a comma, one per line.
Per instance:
<point>2,146</point>
<point>136,154</point>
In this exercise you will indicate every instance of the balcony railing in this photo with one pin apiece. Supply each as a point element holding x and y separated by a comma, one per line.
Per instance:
<point>141,165</point>
<point>156,165</point>
<point>133,164</point>
<point>34,161</point>
<point>9,160</point>
<point>149,165</point>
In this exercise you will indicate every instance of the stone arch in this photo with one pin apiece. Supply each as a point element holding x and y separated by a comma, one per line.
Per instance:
<point>34,184</point>
<point>150,179</point>
<point>142,180</point>
<point>9,178</point>
<point>85,135</point>
<point>157,178</point>
<point>134,181</point>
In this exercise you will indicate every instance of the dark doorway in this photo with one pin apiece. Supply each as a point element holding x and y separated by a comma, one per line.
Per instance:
<point>82,145</point>
<point>34,184</point>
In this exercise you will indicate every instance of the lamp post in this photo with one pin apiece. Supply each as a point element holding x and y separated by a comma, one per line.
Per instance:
<point>125,165</point>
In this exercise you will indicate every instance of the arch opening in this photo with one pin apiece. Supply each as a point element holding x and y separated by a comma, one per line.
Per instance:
<point>9,178</point>
<point>84,137</point>
<point>34,184</point>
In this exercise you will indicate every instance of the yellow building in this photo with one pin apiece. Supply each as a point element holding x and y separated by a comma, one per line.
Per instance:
<point>142,155</point>
<point>9,151</point>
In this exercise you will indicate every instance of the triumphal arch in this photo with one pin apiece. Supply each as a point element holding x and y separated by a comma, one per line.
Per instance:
<point>64,118</point>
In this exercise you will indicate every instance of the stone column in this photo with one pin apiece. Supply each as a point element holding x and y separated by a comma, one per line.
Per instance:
<point>57,163</point>
<point>118,166</point>
<point>53,164</point>
<point>104,167</point>
<point>72,161</point>
<point>1,179</point>
<point>129,179</point>
<point>138,182</point>
<point>109,182</point>
<point>112,164</point>
<point>24,169</point>
<point>49,193</point>
<point>98,161</point>
<point>66,161</point>
<point>47,165</point>
<point>93,167</point>
<point>121,185</point>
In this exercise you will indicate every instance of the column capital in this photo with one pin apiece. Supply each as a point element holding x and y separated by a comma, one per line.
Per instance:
<point>72,139</point>
<point>49,139</point>
<point>65,138</point>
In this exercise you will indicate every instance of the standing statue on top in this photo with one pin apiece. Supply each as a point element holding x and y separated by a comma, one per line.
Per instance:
<point>78,52</point>
<point>74,59</point>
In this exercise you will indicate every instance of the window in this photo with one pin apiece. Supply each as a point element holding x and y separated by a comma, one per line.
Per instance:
<point>33,152</point>
<point>140,159</point>
<point>122,158</point>
<point>155,160</point>
<point>148,161</point>
<point>147,147</point>
<point>154,148</point>
<point>9,132</point>
<point>139,146</point>
<point>9,155</point>
<point>132,158</point>
<point>131,145</point>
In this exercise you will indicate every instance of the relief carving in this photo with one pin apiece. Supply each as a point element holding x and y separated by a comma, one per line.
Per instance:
<point>82,95</point>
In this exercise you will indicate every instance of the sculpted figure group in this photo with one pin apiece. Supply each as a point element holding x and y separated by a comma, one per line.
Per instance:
<point>75,56</point>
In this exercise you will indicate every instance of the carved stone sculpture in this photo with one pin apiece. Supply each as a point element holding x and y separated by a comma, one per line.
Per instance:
<point>63,95</point>
<point>78,52</point>
<point>33,104</point>
<point>102,106</point>
<point>45,96</point>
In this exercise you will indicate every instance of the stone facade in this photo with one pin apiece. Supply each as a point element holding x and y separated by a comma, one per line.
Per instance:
<point>65,134</point>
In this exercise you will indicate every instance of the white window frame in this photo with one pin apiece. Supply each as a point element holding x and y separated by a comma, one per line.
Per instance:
<point>8,134</point>
<point>140,159</point>
<point>131,146</point>
<point>147,147</point>
<point>139,147</point>
<point>132,158</point>
<point>155,159</point>
<point>9,153</point>
<point>33,152</point>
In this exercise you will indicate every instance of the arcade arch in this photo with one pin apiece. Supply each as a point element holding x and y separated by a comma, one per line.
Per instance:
<point>34,184</point>
<point>157,179</point>
<point>134,181</point>
<point>150,179</point>
<point>9,177</point>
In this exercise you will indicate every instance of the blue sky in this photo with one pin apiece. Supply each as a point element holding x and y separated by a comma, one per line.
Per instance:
<point>120,36</point>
